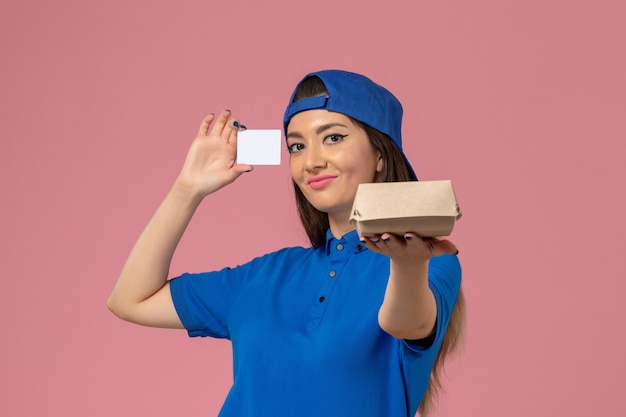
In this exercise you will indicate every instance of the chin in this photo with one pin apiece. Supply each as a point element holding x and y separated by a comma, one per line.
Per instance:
<point>331,209</point>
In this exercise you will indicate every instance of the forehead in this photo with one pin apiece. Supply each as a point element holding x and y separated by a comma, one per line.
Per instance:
<point>312,119</point>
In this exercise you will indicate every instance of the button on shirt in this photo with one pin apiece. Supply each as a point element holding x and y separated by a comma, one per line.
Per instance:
<point>305,335</point>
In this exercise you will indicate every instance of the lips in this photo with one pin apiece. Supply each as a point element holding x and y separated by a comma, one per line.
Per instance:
<point>320,181</point>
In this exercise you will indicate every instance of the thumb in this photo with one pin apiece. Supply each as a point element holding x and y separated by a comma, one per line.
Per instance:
<point>445,246</point>
<point>241,168</point>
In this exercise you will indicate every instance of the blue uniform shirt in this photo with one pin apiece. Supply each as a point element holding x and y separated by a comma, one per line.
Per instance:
<point>304,329</point>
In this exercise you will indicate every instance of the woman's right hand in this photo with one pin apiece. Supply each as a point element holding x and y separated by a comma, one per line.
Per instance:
<point>211,162</point>
<point>142,294</point>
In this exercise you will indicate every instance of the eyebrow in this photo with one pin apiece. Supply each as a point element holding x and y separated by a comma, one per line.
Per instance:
<point>319,130</point>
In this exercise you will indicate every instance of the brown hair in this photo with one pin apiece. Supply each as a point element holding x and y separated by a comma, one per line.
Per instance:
<point>316,224</point>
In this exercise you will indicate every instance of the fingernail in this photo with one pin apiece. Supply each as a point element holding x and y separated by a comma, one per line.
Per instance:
<point>236,123</point>
<point>386,239</point>
<point>243,127</point>
<point>457,252</point>
<point>407,237</point>
<point>228,111</point>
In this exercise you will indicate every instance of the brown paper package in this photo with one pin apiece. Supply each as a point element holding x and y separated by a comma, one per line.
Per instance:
<point>427,208</point>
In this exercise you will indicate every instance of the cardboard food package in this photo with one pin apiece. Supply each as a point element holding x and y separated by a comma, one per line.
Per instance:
<point>427,208</point>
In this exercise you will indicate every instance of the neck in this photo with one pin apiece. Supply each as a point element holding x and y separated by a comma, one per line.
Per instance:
<point>340,224</point>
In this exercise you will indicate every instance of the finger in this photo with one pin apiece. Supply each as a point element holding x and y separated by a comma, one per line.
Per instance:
<point>390,240</point>
<point>206,123</point>
<point>368,240</point>
<point>234,128</point>
<point>221,122</point>
<point>229,133</point>
<point>428,243</point>
<point>380,243</point>
<point>370,243</point>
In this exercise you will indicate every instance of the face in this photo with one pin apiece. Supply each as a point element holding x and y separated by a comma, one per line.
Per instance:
<point>329,157</point>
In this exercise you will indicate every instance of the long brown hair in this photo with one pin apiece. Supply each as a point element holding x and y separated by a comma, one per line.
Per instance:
<point>316,224</point>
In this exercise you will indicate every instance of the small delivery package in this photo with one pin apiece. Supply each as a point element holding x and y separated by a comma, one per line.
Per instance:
<point>427,208</point>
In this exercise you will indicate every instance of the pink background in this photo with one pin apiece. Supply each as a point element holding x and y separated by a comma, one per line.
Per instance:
<point>521,103</point>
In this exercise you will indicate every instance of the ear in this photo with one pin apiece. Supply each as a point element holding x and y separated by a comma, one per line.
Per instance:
<point>380,164</point>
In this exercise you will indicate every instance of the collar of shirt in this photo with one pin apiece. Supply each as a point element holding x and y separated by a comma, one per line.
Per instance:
<point>349,241</point>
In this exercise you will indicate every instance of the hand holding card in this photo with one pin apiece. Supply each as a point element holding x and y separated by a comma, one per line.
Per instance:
<point>259,147</point>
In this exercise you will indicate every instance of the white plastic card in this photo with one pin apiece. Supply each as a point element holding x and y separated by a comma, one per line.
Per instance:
<point>259,147</point>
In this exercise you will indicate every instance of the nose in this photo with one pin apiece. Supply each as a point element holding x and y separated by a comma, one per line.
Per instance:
<point>314,158</point>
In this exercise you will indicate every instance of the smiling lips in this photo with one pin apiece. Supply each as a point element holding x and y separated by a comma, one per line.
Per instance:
<point>320,181</point>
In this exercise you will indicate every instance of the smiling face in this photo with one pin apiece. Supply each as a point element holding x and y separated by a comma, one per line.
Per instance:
<point>329,157</point>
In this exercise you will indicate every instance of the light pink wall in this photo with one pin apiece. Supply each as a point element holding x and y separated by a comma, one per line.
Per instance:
<point>521,104</point>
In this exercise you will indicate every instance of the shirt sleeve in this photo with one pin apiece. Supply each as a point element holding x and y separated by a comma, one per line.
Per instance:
<point>203,300</point>
<point>444,280</point>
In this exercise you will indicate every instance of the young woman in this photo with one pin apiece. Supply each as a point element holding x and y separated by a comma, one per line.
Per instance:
<point>346,327</point>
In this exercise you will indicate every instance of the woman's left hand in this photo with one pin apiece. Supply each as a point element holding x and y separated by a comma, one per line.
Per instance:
<point>409,310</point>
<point>409,248</point>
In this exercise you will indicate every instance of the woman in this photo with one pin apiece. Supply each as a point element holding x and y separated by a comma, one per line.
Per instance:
<point>347,327</point>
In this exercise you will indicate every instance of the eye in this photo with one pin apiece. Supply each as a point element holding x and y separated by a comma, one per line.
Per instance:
<point>295,147</point>
<point>334,138</point>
